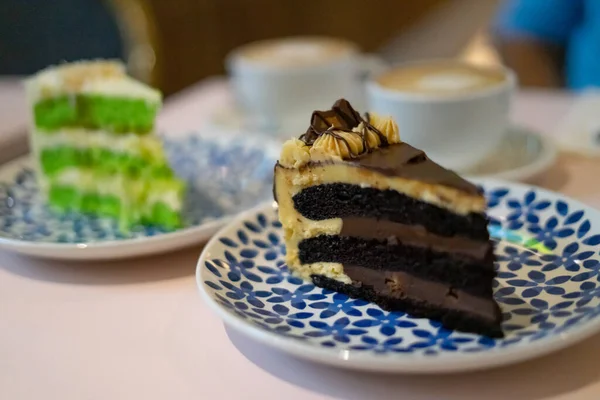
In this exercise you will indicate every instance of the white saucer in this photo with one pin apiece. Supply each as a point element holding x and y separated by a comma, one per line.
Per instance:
<point>522,155</point>
<point>231,120</point>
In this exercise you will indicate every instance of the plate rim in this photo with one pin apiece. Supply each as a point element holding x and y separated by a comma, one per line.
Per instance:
<point>129,247</point>
<point>408,363</point>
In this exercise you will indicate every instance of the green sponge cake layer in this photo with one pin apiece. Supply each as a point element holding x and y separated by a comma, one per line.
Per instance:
<point>114,114</point>
<point>137,190</point>
<point>146,201</point>
<point>54,160</point>
<point>68,198</point>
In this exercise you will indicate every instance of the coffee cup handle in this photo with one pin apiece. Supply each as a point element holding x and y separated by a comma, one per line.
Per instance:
<point>371,64</point>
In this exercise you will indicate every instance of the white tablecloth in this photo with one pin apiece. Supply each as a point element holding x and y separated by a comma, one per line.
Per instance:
<point>138,329</point>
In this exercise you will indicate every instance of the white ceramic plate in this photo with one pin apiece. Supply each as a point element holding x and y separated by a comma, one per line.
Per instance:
<point>547,286</point>
<point>225,176</point>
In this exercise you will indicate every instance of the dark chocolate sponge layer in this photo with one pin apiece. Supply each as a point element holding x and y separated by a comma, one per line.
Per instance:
<point>450,319</point>
<point>459,272</point>
<point>339,200</point>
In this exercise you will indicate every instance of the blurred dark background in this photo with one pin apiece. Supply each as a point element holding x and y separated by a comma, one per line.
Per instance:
<point>172,44</point>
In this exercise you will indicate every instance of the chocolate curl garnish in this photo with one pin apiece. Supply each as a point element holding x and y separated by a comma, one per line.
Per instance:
<point>341,117</point>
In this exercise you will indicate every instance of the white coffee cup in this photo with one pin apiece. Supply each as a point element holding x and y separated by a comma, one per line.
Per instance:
<point>280,82</point>
<point>457,113</point>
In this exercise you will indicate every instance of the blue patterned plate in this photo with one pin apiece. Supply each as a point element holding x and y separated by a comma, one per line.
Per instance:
<point>225,176</point>
<point>548,287</point>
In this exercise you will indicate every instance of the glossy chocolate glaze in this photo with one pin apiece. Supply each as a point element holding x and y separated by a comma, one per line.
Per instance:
<point>403,160</point>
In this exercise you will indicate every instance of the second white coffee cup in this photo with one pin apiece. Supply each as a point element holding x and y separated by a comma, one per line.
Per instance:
<point>280,82</point>
<point>456,112</point>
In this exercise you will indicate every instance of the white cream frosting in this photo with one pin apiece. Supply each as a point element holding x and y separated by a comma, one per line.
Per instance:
<point>105,77</point>
<point>129,143</point>
<point>169,197</point>
<point>116,185</point>
<point>121,87</point>
<point>294,154</point>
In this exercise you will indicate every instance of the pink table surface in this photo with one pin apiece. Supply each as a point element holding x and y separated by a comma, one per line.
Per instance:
<point>13,118</point>
<point>138,329</point>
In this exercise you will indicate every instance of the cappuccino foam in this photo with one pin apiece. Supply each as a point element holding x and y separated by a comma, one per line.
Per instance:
<point>441,78</point>
<point>296,51</point>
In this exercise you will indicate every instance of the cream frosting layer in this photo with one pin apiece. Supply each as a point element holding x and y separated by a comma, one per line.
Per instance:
<point>445,197</point>
<point>337,145</point>
<point>297,227</point>
<point>167,191</point>
<point>121,87</point>
<point>102,77</point>
<point>146,146</point>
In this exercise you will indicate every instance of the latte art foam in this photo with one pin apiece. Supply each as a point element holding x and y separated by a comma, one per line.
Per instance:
<point>449,81</point>
<point>441,78</point>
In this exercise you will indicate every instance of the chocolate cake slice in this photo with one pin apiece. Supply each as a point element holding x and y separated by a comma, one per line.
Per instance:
<point>372,217</point>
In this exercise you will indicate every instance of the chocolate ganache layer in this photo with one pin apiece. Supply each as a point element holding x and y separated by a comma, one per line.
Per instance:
<point>413,235</point>
<point>473,276</point>
<point>393,291</point>
<point>341,200</point>
<point>397,284</point>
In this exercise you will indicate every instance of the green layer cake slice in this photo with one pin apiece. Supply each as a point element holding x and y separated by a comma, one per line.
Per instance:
<point>94,144</point>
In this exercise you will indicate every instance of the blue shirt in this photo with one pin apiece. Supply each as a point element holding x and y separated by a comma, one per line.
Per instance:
<point>572,24</point>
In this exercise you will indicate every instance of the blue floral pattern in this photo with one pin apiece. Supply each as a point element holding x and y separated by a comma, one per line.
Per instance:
<point>223,179</point>
<point>548,283</point>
